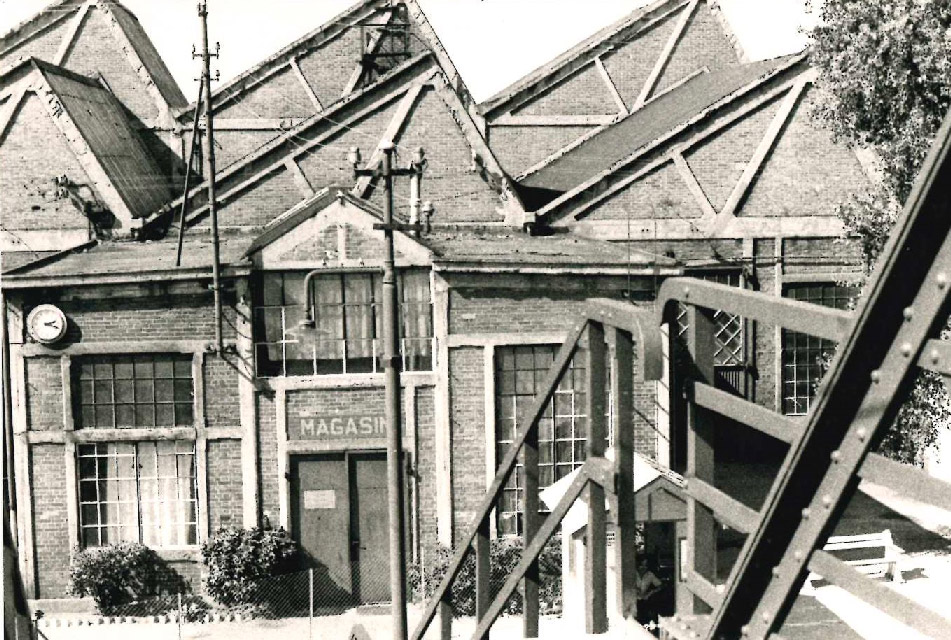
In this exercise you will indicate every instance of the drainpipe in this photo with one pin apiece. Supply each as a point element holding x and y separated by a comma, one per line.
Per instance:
<point>7,413</point>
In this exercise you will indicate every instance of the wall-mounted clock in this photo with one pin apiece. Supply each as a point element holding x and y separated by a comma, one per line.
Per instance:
<point>46,323</point>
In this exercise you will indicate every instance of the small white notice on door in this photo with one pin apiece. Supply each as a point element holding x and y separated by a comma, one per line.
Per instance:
<point>322,499</point>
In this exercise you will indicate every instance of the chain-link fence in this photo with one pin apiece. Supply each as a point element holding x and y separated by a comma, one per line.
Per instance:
<point>318,602</point>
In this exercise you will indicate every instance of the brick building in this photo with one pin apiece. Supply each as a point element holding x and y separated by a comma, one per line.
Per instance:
<point>650,150</point>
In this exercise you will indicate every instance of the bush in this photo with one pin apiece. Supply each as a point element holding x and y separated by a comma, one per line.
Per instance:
<point>238,559</point>
<point>504,554</point>
<point>114,575</point>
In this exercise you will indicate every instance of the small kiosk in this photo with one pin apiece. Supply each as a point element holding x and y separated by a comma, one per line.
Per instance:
<point>661,509</point>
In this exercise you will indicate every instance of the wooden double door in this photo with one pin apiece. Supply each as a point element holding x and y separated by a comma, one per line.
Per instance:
<point>340,519</point>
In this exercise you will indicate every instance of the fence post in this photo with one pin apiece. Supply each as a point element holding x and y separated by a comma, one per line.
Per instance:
<point>483,571</point>
<point>530,522</point>
<point>179,615</point>
<point>310,619</point>
<point>595,563</point>
<point>624,504</point>
<point>701,527</point>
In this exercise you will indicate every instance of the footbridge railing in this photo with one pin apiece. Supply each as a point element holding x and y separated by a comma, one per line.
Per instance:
<point>606,338</point>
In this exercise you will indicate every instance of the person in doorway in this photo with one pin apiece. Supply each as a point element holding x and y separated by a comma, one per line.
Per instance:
<point>648,585</point>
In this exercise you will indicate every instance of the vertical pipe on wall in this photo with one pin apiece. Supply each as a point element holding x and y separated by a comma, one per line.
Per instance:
<point>11,498</point>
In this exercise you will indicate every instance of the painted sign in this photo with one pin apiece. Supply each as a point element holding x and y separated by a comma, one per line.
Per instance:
<point>336,427</point>
<point>320,499</point>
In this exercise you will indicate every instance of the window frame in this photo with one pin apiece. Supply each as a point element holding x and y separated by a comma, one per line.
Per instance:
<point>373,304</point>
<point>111,457</point>
<point>494,424</point>
<point>823,344</point>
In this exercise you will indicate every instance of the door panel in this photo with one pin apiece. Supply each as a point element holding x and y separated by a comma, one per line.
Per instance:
<point>321,522</point>
<point>369,525</point>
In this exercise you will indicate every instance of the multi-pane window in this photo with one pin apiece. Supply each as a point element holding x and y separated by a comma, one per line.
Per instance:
<point>348,323</point>
<point>802,353</point>
<point>135,390</point>
<point>728,347</point>
<point>562,429</point>
<point>138,491</point>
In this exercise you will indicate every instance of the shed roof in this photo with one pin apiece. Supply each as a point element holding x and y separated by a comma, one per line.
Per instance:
<point>130,258</point>
<point>105,127</point>
<point>507,246</point>
<point>615,143</point>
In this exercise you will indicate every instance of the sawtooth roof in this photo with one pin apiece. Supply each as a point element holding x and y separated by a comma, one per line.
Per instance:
<point>104,126</point>
<point>19,37</point>
<point>616,143</point>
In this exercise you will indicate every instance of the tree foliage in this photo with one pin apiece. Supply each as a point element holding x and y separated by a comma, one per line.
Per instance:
<point>885,80</point>
<point>886,71</point>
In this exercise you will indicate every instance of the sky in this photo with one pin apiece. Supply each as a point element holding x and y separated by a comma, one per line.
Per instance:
<point>492,42</point>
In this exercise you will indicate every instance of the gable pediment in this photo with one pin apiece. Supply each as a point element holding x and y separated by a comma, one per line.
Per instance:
<point>334,232</point>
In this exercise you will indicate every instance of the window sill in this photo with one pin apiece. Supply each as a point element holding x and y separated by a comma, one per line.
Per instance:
<point>183,554</point>
<point>343,380</point>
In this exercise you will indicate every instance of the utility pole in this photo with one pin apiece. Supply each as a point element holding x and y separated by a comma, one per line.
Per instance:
<point>209,151</point>
<point>391,375</point>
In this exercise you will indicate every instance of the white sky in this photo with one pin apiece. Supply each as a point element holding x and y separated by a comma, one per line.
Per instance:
<point>492,42</point>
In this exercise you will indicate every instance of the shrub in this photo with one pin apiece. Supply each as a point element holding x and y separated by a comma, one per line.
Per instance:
<point>504,554</point>
<point>113,575</point>
<point>238,560</point>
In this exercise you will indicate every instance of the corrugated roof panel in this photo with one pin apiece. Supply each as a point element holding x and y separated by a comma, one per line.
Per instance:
<point>622,139</point>
<point>101,121</point>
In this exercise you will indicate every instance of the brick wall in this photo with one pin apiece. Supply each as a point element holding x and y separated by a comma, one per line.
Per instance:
<point>96,50</point>
<point>703,43</point>
<point>500,311</point>
<point>222,406</point>
<point>630,64</point>
<point>518,148</point>
<point>660,194</point>
<point>224,484</point>
<point>584,93</point>
<point>267,455</point>
<point>33,153</point>
<point>467,420</point>
<point>186,317</point>
<point>282,95</point>
<point>43,46</point>
<point>426,466</point>
<point>457,193</point>
<point>786,185</point>
<point>50,529</point>
<point>719,161</point>
<point>44,394</point>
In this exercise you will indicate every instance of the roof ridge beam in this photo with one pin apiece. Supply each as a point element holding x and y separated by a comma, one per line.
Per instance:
<point>664,58</point>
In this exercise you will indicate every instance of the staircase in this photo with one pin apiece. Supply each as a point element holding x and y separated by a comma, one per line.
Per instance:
<point>883,345</point>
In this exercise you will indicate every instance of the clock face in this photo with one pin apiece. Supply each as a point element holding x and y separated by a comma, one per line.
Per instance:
<point>46,323</point>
